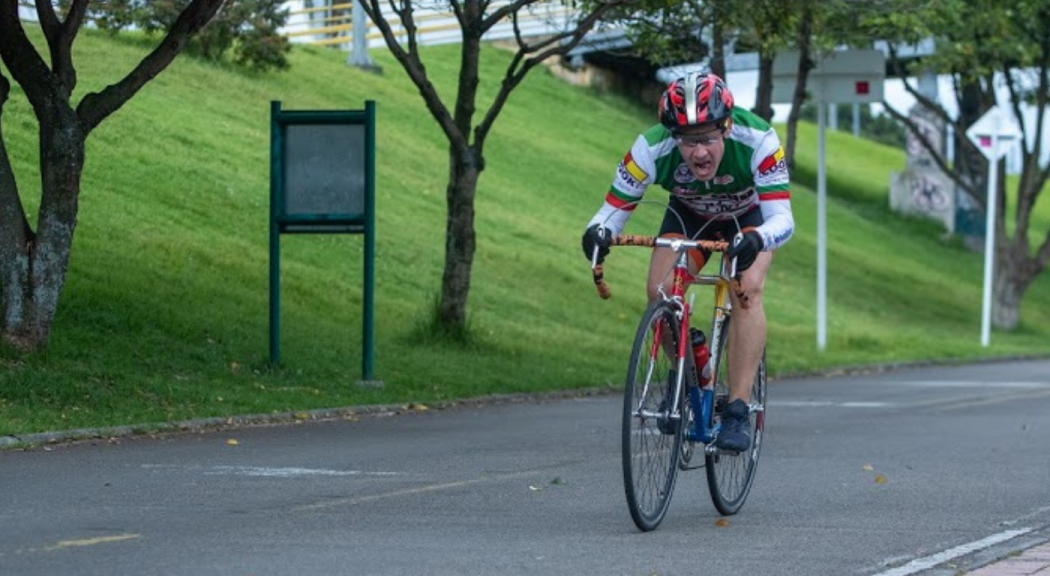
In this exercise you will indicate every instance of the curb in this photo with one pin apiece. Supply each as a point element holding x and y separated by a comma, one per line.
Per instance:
<point>25,441</point>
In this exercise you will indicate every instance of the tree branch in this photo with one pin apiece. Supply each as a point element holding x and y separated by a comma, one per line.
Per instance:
<point>1042,256</point>
<point>21,58</point>
<point>919,97</point>
<point>14,227</point>
<point>1040,116</point>
<point>504,11</point>
<point>45,12</point>
<point>75,19</point>
<point>60,42</point>
<point>97,106</point>
<point>514,75</point>
<point>1015,104</point>
<point>457,9</point>
<point>416,71</point>
<point>941,162</point>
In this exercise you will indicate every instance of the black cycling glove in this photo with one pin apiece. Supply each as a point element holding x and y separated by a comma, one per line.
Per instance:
<point>596,235</point>
<point>746,250</point>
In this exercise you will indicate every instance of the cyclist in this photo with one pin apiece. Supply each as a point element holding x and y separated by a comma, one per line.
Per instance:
<point>722,165</point>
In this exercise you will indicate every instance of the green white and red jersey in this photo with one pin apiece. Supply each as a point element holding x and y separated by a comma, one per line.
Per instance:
<point>752,173</point>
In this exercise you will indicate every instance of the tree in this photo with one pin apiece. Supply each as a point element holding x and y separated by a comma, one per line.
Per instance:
<point>248,28</point>
<point>33,262</point>
<point>983,44</point>
<point>466,136</point>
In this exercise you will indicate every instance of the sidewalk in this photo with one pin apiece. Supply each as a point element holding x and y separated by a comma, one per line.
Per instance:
<point>1032,561</point>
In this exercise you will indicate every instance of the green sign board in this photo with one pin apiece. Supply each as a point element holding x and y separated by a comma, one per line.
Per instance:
<point>322,181</point>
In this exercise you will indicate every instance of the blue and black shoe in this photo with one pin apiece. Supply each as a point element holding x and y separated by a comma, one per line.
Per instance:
<point>735,434</point>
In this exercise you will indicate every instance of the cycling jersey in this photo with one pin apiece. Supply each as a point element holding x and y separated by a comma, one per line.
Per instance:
<point>752,173</point>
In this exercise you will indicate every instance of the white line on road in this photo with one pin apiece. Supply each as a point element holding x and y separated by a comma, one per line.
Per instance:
<point>920,564</point>
<point>268,472</point>
<point>822,404</point>
<point>288,472</point>
<point>969,384</point>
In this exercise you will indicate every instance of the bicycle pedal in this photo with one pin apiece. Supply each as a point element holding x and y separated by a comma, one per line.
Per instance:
<point>712,450</point>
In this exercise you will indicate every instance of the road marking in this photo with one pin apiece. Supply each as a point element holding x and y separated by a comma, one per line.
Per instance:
<point>969,384</point>
<point>265,472</point>
<point>411,491</point>
<point>823,404</point>
<point>962,403</point>
<point>269,472</point>
<point>79,543</point>
<point>927,562</point>
<point>64,544</point>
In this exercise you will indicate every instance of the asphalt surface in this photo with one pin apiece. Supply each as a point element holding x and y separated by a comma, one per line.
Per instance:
<point>921,471</point>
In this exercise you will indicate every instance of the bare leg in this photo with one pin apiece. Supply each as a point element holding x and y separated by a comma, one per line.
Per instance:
<point>747,330</point>
<point>661,275</point>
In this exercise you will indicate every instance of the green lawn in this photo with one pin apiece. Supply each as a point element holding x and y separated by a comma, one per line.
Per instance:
<point>164,314</point>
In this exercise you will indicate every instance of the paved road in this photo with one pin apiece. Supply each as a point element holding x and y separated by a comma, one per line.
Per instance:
<point>931,471</point>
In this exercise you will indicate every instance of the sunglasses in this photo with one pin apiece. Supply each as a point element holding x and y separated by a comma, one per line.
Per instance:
<point>693,140</point>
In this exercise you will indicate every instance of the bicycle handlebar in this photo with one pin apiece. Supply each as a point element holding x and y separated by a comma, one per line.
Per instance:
<point>676,244</point>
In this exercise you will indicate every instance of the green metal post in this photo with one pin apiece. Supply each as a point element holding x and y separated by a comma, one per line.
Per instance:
<point>275,234</point>
<point>370,239</point>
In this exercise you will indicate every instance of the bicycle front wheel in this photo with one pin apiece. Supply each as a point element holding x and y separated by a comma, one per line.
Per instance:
<point>652,432</point>
<point>730,475</point>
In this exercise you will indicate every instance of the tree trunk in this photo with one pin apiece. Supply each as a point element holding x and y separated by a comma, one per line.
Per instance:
<point>805,34</point>
<point>718,50</point>
<point>764,91</point>
<point>33,267</point>
<point>464,169</point>
<point>1013,276</point>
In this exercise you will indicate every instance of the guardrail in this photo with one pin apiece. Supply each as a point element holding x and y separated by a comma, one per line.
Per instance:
<point>331,25</point>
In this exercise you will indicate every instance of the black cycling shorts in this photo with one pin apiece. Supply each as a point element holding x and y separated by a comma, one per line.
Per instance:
<point>698,227</point>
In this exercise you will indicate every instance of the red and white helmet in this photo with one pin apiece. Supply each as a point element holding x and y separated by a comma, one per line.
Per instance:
<point>695,99</point>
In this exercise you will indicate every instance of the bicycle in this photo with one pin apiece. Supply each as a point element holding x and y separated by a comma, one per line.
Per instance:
<point>662,374</point>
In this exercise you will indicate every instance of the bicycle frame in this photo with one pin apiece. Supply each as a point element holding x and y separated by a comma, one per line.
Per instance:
<point>701,399</point>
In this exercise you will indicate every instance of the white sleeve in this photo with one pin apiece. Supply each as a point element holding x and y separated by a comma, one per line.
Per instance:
<point>633,175</point>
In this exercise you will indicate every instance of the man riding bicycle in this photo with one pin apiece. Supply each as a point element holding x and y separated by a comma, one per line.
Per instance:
<point>724,167</point>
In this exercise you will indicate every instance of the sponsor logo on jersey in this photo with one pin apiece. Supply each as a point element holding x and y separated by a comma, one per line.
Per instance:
<point>772,164</point>
<point>733,203</point>
<point>627,178</point>
<point>631,172</point>
<point>723,180</point>
<point>683,175</point>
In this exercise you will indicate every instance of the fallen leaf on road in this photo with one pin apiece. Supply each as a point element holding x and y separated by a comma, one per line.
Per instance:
<point>232,442</point>
<point>880,479</point>
<point>535,488</point>
<point>721,522</point>
<point>868,468</point>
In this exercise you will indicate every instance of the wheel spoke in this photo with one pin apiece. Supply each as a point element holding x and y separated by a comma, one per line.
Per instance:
<point>651,438</point>
<point>730,475</point>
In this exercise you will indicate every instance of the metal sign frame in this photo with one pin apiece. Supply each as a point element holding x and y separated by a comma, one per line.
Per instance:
<point>322,221</point>
<point>851,76</point>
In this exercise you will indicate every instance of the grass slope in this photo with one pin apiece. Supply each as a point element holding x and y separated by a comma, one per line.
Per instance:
<point>164,314</point>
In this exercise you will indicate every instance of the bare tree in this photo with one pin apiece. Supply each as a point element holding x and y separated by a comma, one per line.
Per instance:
<point>466,135</point>
<point>982,43</point>
<point>33,262</point>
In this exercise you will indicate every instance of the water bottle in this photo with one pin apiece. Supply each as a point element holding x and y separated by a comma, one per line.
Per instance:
<point>701,353</point>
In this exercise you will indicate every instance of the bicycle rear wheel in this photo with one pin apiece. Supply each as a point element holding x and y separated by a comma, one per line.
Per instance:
<point>651,439</point>
<point>730,475</point>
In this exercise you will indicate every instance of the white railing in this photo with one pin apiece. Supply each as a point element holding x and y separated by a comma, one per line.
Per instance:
<point>330,24</point>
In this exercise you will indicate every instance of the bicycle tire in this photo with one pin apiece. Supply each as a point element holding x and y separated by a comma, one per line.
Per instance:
<point>730,476</point>
<point>651,445</point>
